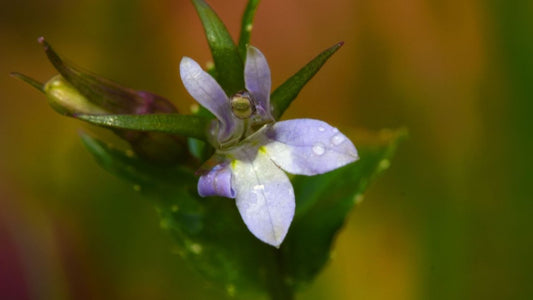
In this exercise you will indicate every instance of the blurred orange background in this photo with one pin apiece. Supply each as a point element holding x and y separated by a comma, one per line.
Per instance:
<point>451,219</point>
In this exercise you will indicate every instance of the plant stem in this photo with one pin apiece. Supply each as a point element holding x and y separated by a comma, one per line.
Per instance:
<point>278,288</point>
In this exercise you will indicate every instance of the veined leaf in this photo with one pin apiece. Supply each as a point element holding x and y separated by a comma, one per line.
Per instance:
<point>229,66</point>
<point>246,27</point>
<point>282,97</point>
<point>185,125</point>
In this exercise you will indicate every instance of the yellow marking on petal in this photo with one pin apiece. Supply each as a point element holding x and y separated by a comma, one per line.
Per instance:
<point>234,164</point>
<point>263,150</point>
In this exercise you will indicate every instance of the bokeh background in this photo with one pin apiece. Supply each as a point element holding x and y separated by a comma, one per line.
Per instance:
<point>451,219</point>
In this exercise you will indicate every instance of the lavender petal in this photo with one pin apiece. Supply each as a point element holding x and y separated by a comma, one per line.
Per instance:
<point>216,182</point>
<point>205,89</point>
<point>257,79</point>
<point>308,147</point>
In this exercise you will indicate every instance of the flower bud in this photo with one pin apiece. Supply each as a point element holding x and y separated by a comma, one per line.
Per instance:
<point>106,94</point>
<point>75,92</point>
<point>66,100</point>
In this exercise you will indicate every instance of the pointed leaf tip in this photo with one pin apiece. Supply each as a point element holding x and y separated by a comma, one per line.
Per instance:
<point>34,83</point>
<point>228,63</point>
<point>246,27</point>
<point>283,96</point>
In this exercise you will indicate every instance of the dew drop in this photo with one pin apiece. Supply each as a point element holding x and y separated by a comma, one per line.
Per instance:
<point>195,248</point>
<point>337,139</point>
<point>335,130</point>
<point>259,187</point>
<point>230,289</point>
<point>319,149</point>
<point>321,129</point>
<point>129,153</point>
<point>384,164</point>
<point>164,224</point>
<point>357,199</point>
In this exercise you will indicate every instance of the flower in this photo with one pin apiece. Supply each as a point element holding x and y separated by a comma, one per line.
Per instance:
<point>252,150</point>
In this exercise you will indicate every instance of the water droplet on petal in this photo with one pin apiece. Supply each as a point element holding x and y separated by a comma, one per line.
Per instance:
<point>335,130</point>
<point>321,129</point>
<point>319,149</point>
<point>259,187</point>
<point>337,139</point>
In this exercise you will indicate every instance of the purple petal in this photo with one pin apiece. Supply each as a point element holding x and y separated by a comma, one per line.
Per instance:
<point>308,147</point>
<point>205,89</point>
<point>265,197</point>
<point>217,182</point>
<point>257,79</point>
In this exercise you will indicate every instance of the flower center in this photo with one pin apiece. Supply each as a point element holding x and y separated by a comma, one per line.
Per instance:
<point>242,105</point>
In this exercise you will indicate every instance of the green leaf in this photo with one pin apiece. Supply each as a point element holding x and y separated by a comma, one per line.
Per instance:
<point>282,97</point>
<point>125,165</point>
<point>246,27</point>
<point>323,203</point>
<point>209,232</point>
<point>185,125</point>
<point>229,66</point>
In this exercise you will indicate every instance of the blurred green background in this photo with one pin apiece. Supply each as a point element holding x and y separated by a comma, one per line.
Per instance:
<point>451,219</point>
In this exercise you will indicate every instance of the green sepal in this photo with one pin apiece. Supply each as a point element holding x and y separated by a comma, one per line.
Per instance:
<point>282,97</point>
<point>246,27</point>
<point>184,125</point>
<point>229,66</point>
<point>323,203</point>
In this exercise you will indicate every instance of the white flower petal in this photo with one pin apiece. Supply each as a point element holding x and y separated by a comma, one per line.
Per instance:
<point>264,196</point>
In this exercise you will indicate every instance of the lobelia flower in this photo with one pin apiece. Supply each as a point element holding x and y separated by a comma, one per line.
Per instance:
<point>252,150</point>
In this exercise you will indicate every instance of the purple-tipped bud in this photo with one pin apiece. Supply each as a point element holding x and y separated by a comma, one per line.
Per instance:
<point>74,92</point>
<point>106,94</point>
